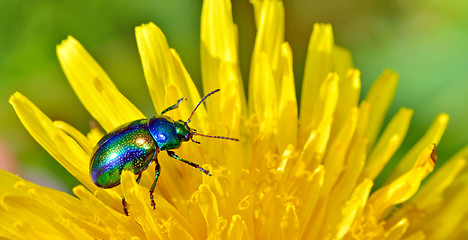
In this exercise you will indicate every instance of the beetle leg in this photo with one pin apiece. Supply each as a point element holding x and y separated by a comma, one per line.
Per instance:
<point>124,203</point>
<point>157,169</point>
<point>194,131</point>
<point>173,155</point>
<point>173,106</point>
<point>195,141</point>
<point>138,179</point>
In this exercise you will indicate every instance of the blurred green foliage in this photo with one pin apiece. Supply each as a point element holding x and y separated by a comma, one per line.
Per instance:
<point>424,41</point>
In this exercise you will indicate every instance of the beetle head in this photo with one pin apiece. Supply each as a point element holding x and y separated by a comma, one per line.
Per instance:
<point>184,133</point>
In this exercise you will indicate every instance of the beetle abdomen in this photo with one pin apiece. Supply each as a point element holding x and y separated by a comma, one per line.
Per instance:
<point>129,147</point>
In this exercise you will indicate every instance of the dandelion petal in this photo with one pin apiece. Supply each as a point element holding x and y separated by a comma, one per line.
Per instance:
<point>93,87</point>
<point>432,136</point>
<point>318,66</point>
<point>61,146</point>
<point>388,143</point>
<point>380,97</point>
<point>404,187</point>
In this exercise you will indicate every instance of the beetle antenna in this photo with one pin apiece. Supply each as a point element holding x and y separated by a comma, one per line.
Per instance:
<point>203,135</point>
<point>203,99</point>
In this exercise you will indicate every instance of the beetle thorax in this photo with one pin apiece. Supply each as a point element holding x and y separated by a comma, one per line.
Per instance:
<point>165,132</point>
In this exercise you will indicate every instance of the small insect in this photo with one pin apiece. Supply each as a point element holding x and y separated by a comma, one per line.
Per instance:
<point>135,145</point>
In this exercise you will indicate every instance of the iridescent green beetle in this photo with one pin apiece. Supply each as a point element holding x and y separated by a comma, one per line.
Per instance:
<point>135,145</point>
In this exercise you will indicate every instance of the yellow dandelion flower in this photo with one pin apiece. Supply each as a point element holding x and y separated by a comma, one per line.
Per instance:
<point>289,178</point>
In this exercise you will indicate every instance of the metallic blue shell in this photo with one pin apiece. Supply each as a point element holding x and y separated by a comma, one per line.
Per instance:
<point>163,130</point>
<point>128,147</point>
<point>132,146</point>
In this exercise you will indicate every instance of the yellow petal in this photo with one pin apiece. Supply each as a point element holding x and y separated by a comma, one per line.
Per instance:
<point>364,115</point>
<point>94,88</point>
<point>342,61</point>
<point>94,135</point>
<point>77,135</point>
<point>287,113</point>
<point>336,154</point>
<point>270,36</point>
<point>450,218</point>
<point>313,185</point>
<point>336,190</point>
<point>315,147</point>
<point>231,104</point>
<point>174,230</point>
<point>111,197</point>
<point>157,63</point>
<point>29,211</point>
<point>262,95</point>
<point>290,223</point>
<point>405,186</point>
<point>190,92</point>
<point>380,97</point>
<point>218,32</point>
<point>324,106</point>
<point>220,69</point>
<point>219,57</point>
<point>165,74</point>
<point>227,122</point>
<point>115,222</point>
<point>334,165</point>
<point>37,218</point>
<point>349,92</point>
<point>349,178</point>
<point>238,230</point>
<point>430,196</point>
<point>352,209</point>
<point>257,4</point>
<point>318,66</point>
<point>60,145</point>
<point>396,231</point>
<point>174,188</point>
<point>416,236</point>
<point>432,136</point>
<point>209,207</point>
<point>388,143</point>
<point>140,208</point>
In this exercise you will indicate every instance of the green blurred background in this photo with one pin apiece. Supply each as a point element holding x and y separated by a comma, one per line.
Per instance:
<point>424,41</point>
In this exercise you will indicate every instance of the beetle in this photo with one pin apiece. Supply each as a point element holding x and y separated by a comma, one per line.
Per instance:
<point>135,145</point>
